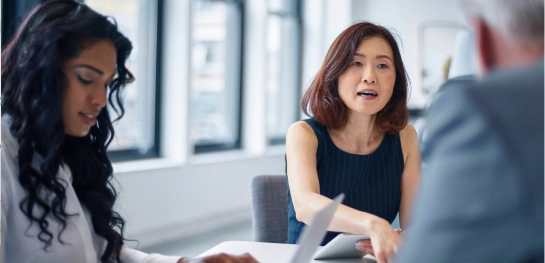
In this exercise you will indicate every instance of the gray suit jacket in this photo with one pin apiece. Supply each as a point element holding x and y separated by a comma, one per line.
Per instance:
<point>482,195</point>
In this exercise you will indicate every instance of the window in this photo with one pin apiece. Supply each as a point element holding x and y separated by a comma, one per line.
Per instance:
<point>13,13</point>
<point>136,133</point>
<point>215,75</point>
<point>283,67</point>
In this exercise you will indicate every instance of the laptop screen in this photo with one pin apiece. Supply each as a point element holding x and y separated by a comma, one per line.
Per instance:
<point>315,231</point>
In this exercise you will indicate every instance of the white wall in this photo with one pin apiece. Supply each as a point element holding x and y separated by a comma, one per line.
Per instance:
<point>168,203</point>
<point>406,16</point>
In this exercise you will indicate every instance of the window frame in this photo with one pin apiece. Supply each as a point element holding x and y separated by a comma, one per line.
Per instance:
<point>132,154</point>
<point>13,14</point>
<point>297,15</point>
<point>154,151</point>
<point>218,147</point>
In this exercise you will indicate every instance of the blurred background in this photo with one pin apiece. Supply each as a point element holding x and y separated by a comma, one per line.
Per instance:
<point>218,83</point>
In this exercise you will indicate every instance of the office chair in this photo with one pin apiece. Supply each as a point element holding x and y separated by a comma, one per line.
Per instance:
<point>270,208</point>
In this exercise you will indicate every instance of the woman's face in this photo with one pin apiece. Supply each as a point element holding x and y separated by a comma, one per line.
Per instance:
<point>88,76</point>
<point>367,84</point>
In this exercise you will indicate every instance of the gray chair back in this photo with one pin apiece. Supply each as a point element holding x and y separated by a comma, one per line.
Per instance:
<point>270,208</point>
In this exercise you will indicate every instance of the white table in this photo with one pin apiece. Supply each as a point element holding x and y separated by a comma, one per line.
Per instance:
<point>272,252</point>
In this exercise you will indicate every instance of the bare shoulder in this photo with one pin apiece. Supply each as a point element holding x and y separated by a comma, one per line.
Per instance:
<point>408,134</point>
<point>300,133</point>
<point>409,140</point>
<point>300,129</point>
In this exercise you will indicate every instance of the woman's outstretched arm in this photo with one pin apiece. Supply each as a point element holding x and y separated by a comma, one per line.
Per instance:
<point>301,147</point>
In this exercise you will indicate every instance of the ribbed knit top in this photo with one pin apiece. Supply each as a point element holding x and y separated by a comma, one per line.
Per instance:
<point>371,183</point>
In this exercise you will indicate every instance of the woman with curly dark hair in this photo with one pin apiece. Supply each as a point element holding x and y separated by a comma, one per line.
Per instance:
<point>57,187</point>
<point>358,142</point>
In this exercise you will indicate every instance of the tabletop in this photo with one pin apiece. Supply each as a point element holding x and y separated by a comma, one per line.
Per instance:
<point>272,252</point>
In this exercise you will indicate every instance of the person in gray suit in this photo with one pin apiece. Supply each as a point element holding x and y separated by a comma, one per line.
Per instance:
<point>482,193</point>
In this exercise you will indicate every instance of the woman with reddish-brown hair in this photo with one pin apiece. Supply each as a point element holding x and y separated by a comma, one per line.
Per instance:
<point>357,142</point>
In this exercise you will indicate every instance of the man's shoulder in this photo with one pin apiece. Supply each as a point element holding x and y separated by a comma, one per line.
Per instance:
<point>512,103</point>
<point>456,82</point>
<point>509,104</point>
<point>527,79</point>
<point>512,96</point>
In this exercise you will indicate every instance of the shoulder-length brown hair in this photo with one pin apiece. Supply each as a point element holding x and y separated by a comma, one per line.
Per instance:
<point>322,96</point>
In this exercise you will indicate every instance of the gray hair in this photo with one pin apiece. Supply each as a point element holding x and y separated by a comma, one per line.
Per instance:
<point>518,20</point>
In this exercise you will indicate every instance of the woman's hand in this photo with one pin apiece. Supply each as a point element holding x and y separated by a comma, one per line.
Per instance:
<point>221,258</point>
<point>366,246</point>
<point>383,243</point>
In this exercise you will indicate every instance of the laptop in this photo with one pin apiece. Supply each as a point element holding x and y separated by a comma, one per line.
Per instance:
<point>314,232</point>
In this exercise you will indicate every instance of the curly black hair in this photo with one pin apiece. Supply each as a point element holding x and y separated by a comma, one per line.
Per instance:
<point>32,88</point>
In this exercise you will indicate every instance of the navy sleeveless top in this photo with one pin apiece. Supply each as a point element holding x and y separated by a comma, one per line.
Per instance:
<point>371,183</point>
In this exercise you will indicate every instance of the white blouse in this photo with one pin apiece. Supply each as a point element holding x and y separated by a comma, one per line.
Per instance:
<point>20,242</point>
